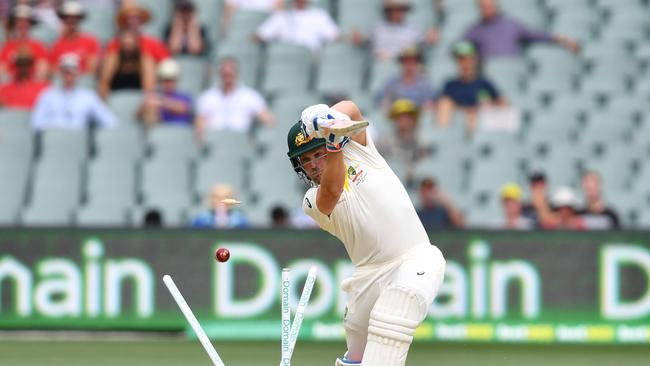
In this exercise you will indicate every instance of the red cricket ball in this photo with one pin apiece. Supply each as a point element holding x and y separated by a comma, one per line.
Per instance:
<point>222,254</point>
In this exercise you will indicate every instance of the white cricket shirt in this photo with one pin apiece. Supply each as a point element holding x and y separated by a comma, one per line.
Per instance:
<point>374,218</point>
<point>234,111</point>
<point>310,27</point>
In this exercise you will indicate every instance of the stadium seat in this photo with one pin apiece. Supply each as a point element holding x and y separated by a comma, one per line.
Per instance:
<point>574,103</point>
<point>244,25</point>
<point>127,144</point>
<point>219,170</point>
<point>341,68</point>
<point>193,74</point>
<point>105,190</point>
<point>617,165</point>
<point>101,216</point>
<point>448,173</point>
<point>161,16</point>
<point>573,6</point>
<point>233,145</point>
<point>506,74</point>
<point>44,33</point>
<point>604,128</point>
<point>247,54</point>
<point>14,173</point>
<point>380,73</point>
<point>358,15</point>
<point>526,11</point>
<point>100,23</point>
<point>578,25</point>
<point>208,12</point>
<point>172,142</point>
<point>284,187</point>
<point>166,184</point>
<point>560,163</point>
<point>552,126</point>
<point>549,84</point>
<point>55,193</point>
<point>288,68</point>
<point>64,145</point>
<point>125,104</point>
<point>442,70</point>
<point>423,14</point>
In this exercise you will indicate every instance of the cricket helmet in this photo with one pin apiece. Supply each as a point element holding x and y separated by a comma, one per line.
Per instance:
<point>299,143</point>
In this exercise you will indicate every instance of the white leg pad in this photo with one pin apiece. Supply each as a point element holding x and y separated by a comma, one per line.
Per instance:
<point>398,311</point>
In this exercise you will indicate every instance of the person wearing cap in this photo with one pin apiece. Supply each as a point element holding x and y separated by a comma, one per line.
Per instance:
<point>72,40</point>
<point>185,35</point>
<point>392,34</point>
<point>563,215</point>
<point>230,105</point>
<point>538,187</point>
<point>596,213</point>
<point>131,68</point>
<point>20,22</point>
<point>403,144</point>
<point>436,210</point>
<point>511,196</point>
<point>132,17</point>
<point>300,25</point>
<point>412,83</point>
<point>167,105</point>
<point>23,89</point>
<point>498,35</point>
<point>220,215</point>
<point>468,91</point>
<point>70,106</point>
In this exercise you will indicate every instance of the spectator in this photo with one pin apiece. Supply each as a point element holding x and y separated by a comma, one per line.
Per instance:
<point>436,211</point>
<point>72,40</point>
<point>132,17</point>
<point>220,215</point>
<point>185,35</point>
<point>279,217</point>
<point>412,84</point>
<point>153,219</point>
<point>404,145</point>
<point>70,106</point>
<point>469,91</point>
<point>299,25</point>
<point>564,214</point>
<point>596,214</point>
<point>497,35</point>
<point>231,105</point>
<point>231,6</point>
<point>22,91</point>
<point>18,39</point>
<point>167,105</point>
<point>514,218</point>
<point>130,68</point>
<point>389,38</point>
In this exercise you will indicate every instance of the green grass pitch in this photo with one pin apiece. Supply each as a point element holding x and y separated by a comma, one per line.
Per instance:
<point>179,352</point>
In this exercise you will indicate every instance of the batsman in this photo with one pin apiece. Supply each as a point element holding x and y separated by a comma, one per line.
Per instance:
<point>356,197</point>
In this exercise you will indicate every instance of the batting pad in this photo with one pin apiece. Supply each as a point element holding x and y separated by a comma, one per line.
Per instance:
<point>396,314</point>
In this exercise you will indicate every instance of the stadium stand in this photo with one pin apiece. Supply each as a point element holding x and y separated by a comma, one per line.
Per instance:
<point>585,111</point>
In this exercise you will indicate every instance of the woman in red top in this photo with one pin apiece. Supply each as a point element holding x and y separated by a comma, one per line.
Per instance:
<point>72,40</point>
<point>19,24</point>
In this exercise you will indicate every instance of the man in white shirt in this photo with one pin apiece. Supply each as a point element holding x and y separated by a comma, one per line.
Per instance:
<point>231,105</point>
<point>358,198</point>
<point>299,25</point>
<point>70,106</point>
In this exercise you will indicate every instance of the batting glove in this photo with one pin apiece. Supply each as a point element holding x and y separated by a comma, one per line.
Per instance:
<point>315,119</point>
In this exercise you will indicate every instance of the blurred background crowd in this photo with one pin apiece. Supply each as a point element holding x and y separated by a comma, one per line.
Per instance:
<point>510,114</point>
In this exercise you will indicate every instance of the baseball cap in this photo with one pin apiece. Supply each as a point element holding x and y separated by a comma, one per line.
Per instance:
<point>511,191</point>
<point>464,48</point>
<point>169,69</point>
<point>69,61</point>
<point>564,197</point>
<point>402,106</point>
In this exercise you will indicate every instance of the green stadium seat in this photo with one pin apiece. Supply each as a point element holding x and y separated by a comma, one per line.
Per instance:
<point>574,103</point>
<point>233,145</point>
<point>127,144</point>
<point>284,187</point>
<point>550,58</point>
<point>209,11</point>
<point>244,25</point>
<point>441,70</point>
<point>423,14</point>
<point>101,216</point>
<point>448,173</point>
<point>161,15</point>
<point>604,128</point>
<point>549,84</point>
<point>380,73</point>
<point>358,14</point>
<point>569,6</point>
<point>14,173</point>
<point>578,25</point>
<point>65,145</point>
<point>288,68</point>
<point>560,163</point>
<point>44,33</point>
<point>526,11</point>
<point>172,142</point>
<point>219,170</point>
<point>552,126</point>
<point>104,190</point>
<point>341,69</point>
<point>100,23</point>
<point>125,104</point>
<point>166,184</point>
<point>247,54</point>
<point>506,74</point>
<point>193,74</point>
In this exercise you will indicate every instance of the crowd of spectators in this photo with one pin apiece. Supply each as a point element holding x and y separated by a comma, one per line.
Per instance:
<point>45,80</point>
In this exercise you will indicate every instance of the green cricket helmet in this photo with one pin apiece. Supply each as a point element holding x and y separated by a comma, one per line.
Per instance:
<point>299,144</point>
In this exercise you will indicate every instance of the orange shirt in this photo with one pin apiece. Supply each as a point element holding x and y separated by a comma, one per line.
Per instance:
<point>84,45</point>
<point>149,45</point>
<point>11,47</point>
<point>21,95</point>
